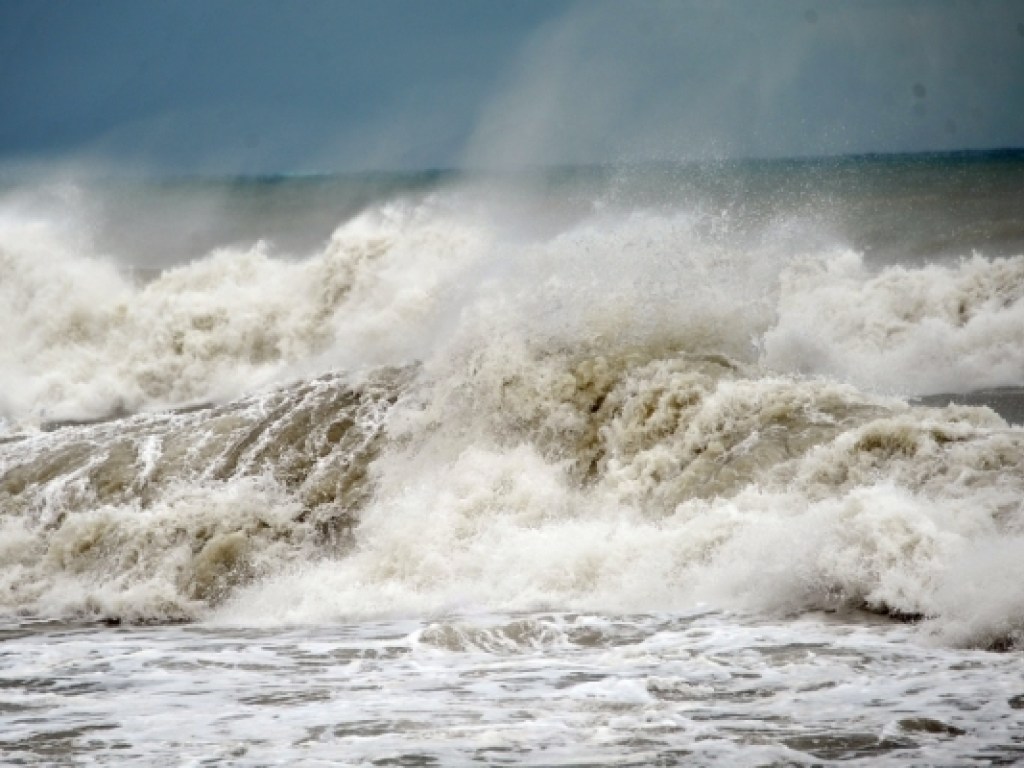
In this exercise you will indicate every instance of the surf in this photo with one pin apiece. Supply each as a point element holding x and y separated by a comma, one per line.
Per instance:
<point>455,403</point>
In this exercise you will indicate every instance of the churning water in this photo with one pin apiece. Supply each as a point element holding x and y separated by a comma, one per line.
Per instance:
<point>663,465</point>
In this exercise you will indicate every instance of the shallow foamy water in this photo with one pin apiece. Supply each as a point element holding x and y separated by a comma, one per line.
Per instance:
<point>536,689</point>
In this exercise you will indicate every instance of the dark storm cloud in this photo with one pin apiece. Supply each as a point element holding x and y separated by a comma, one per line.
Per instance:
<point>252,84</point>
<point>262,86</point>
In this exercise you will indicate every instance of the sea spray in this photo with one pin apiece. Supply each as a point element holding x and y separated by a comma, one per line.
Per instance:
<point>923,330</point>
<point>623,408</point>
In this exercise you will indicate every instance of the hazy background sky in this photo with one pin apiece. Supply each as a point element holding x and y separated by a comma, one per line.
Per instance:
<point>263,86</point>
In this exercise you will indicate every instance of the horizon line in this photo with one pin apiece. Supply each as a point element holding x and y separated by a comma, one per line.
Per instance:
<point>967,154</point>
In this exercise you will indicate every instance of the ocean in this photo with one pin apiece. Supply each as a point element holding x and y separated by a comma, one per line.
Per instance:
<point>665,464</point>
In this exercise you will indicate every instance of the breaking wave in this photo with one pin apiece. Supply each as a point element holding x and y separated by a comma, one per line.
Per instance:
<point>636,410</point>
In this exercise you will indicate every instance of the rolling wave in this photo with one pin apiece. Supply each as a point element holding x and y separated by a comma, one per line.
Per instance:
<point>636,411</point>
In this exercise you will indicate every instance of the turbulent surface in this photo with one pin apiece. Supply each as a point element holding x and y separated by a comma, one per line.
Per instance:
<point>493,442</point>
<point>594,481</point>
<point>538,689</point>
<point>142,517</point>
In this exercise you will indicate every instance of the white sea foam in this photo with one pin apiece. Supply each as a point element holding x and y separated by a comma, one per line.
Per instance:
<point>700,688</point>
<point>933,328</point>
<point>628,412</point>
<point>83,340</point>
<point>856,522</point>
<point>396,282</point>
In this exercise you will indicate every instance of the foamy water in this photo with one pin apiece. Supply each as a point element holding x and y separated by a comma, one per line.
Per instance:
<point>695,688</point>
<point>609,456</point>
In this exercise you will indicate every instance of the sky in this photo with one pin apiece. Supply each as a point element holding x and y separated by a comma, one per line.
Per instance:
<point>315,86</point>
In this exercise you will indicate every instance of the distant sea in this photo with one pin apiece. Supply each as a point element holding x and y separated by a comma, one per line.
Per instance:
<point>665,464</point>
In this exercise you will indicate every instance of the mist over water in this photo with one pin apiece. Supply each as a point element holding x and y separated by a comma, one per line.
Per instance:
<point>697,81</point>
